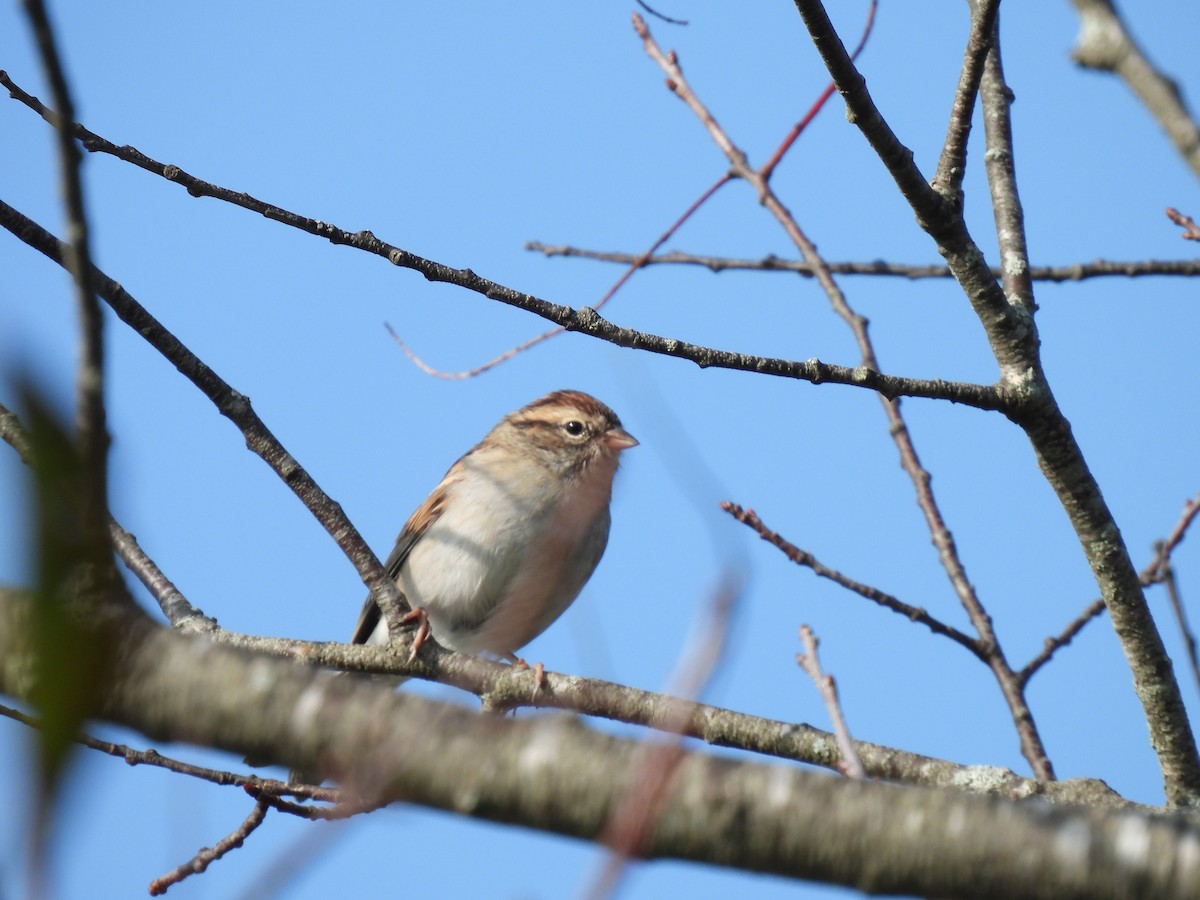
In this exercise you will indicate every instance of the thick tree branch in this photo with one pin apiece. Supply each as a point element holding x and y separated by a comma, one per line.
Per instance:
<point>557,775</point>
<point>1014,341</point>
<point>942,220</point>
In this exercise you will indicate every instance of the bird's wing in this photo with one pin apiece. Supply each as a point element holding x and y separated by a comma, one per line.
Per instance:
<point>418,523</point>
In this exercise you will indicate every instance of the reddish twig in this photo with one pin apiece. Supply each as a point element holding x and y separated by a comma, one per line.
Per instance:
<point>1189,638</point>
<point>633,815</point>
<point>1163,550</point>
<point>1031,743</point>
<point>1160,571</point>
<point>768,168</point>
<point>1191,231</point>
<point>850,765</point>
<point>635,263</point>
<point>209,855</point>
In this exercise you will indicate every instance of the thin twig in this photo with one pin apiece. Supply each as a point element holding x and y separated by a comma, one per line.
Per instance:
<point>252,784</point>
<point>174,605</point>
<point>850,766</point>
<point>1000,165</point>
<point>803,558</point>
<point>1189,637</point>
<point>1191,508</point>
<point>208,855</point>
<point>139,757</point>
<point>768,168</point>
<point>1161,571</point>
<point>952,164</point>
<point>1191,231</point>
<point>1099,268</point>
<point>1054,644</point>
<point>1153,573</point>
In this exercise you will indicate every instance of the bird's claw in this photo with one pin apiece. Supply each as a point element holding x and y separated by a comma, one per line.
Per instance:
<point>419,616</point>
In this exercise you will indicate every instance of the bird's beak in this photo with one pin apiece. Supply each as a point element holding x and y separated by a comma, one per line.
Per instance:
<point>619,439</point>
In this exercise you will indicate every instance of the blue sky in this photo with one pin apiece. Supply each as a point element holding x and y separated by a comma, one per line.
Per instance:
<point>460,131</point>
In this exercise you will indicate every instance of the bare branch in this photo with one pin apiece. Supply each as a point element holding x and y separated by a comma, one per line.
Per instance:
<point>943,540</point>
<point>584,320</point>
<point>850,765</point>
<point>1105,44</point>
<point>1075,272</point>
<point>1000,164</point>
<point>208,855</point>
<point>1154,573</point>
<point>803,558</point>
<point>1191,231</point>
<point>1013,337</point>
<point>1054,644</point>
<point>952,164</point>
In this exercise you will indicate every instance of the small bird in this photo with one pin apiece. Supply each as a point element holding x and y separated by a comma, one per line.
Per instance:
<point>508,538</point>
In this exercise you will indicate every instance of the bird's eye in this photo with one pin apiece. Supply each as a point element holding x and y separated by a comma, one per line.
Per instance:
<point>574,428</point>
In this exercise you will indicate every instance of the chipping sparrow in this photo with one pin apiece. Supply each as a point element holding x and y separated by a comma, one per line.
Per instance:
<point>511,534</point>
<point>506,541</point>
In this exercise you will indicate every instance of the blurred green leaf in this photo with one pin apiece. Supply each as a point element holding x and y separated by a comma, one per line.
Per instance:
<point>73,567</point>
